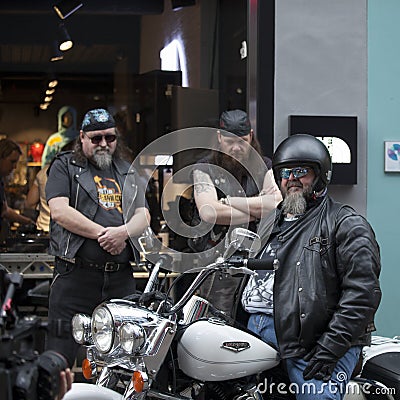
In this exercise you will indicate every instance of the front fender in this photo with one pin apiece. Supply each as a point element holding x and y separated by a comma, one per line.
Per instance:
<point>87,391</point>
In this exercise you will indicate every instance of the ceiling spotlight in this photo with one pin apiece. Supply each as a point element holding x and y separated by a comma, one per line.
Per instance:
<point>65,42</point>
<point>67,7</point>
<point>44,106</point>
<point>47,99</point>
<point>52,83</point>
<point>50,92</point>
<point>56,53</point>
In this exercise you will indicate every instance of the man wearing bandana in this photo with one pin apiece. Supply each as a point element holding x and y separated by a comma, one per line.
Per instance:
<point>97,208</point>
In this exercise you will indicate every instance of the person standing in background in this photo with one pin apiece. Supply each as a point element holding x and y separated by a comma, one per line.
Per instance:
<point>36,199</point>
<point>228,195</point>
<point>10,152</point>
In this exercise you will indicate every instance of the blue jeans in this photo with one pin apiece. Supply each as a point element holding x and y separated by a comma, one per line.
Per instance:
<point>263,325</point>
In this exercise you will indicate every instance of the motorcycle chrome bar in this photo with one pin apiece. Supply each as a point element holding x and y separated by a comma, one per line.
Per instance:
<point>200,278</point>
<point>164,396</point>
<point>164,260</point>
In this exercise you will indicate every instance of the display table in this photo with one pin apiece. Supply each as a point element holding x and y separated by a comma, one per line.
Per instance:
<point>31,265</point>
<point>40,266</point>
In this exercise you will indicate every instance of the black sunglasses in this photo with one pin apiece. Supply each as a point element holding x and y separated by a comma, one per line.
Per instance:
<point>298,172</point>
<point>97,139</point>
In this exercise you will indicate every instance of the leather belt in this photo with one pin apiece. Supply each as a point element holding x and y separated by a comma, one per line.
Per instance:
<point>108,266</point>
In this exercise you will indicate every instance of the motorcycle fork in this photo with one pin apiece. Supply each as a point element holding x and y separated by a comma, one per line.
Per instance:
<point>107,378</point>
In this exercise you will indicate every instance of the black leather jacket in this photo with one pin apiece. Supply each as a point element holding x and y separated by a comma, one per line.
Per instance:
<point>326,288</point>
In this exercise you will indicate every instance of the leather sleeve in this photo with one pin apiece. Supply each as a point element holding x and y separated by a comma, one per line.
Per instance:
<point>358,268</point>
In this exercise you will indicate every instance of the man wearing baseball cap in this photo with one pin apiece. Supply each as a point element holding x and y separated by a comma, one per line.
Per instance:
<point>234,186</point>
<point>97,207</point>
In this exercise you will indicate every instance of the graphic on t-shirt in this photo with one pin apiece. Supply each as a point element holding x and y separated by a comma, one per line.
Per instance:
<point>109,193</point>
<point>258,294</point>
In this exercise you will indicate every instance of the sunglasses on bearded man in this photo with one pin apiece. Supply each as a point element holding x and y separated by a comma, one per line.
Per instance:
<point>298,172</point>
<point>98,138</point>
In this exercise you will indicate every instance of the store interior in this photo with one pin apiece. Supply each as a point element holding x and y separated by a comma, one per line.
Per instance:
<point>115,62</point>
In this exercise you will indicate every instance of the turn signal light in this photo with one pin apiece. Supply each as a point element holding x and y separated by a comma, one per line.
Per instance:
<point>86,369</point>
<point>138,381</point>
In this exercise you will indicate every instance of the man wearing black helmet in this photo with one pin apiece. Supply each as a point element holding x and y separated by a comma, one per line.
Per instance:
<point>318,306</point>
<point>234,186</point>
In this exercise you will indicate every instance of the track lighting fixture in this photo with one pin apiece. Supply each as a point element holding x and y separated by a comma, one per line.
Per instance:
<point>56,53</point>
<point>67,7</point>
<point>49,89</point>
<point>65,42</point>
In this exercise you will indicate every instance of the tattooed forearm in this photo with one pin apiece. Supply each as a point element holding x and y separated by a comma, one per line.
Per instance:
<point>202,182</point>
<point>202,188</point>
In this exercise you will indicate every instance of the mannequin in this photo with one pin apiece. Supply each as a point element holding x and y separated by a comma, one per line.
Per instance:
<point>64,137</point>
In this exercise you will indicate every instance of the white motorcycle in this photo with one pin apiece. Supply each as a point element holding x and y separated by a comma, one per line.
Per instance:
<point>148,347</point>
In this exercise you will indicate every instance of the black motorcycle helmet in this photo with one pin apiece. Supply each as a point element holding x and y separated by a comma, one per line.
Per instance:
<point>302,149</point>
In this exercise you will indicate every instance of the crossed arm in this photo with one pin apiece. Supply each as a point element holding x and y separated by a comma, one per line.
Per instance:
<point>233,210</point>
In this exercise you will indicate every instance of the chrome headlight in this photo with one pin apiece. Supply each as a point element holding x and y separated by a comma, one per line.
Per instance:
<point>132,337</point>
<point>81,329</point>
<point>102,329</point>
<point>122,328</point>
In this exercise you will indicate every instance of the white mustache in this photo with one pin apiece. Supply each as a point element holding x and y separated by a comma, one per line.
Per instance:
<point>107,149</point>
<point>294,184</point>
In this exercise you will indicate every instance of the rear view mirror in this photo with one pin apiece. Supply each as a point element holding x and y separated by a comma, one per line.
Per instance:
<point>148,241</point>
<point>243,240</point>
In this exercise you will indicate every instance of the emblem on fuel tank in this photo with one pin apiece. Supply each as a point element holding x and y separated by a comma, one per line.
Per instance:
<point>235,346</point>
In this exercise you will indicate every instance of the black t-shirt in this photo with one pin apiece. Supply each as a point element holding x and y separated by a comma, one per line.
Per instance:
<point>109,212</point>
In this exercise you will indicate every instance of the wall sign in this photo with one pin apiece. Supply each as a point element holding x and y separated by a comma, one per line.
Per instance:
<point>339,134</point>
<point>392,156</point>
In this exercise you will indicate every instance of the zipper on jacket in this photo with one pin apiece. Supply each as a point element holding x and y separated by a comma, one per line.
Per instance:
<point>75,205</point>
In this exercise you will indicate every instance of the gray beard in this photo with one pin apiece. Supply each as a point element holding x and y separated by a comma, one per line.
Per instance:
<point>296,203</point>
<point>102,161</point>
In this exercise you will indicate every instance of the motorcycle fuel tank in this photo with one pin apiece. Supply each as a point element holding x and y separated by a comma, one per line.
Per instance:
<point>212,351</point>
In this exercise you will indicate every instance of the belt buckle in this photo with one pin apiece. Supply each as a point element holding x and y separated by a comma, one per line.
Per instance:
<point>68,260</point>
<point>110,267</point>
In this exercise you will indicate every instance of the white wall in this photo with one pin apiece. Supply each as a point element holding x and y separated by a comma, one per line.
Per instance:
<point>321,69</point>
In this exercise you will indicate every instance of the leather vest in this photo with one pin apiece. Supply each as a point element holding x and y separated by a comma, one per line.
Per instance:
<point>84,199</point>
